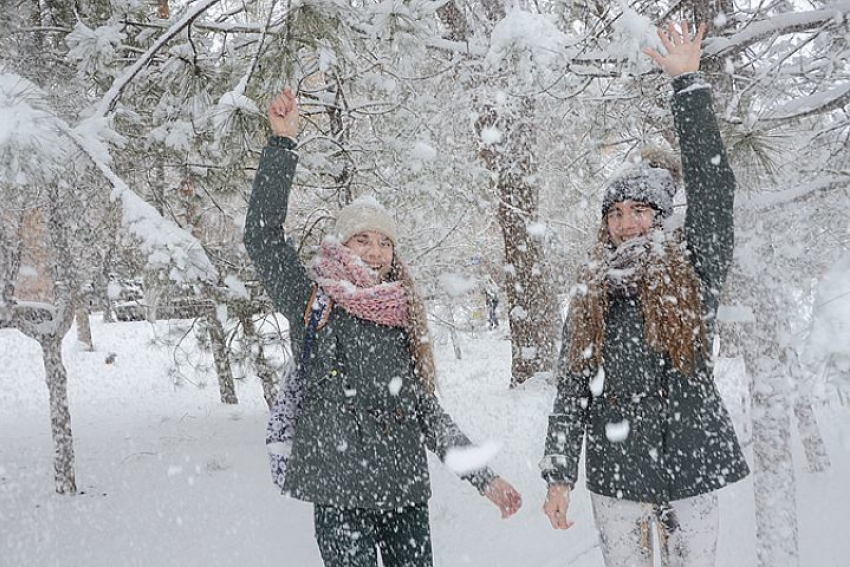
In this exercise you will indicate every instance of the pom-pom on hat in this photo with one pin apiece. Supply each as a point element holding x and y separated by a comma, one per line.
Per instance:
<point>362,215</point>
<point>652,181</point>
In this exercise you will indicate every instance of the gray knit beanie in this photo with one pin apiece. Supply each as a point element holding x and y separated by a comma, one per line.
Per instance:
<point>644,183</point>
<point>364,214</point>
<point>652,180</point>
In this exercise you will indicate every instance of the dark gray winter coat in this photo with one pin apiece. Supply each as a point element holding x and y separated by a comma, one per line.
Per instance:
<point>681,442</point>
<point>360,441</point>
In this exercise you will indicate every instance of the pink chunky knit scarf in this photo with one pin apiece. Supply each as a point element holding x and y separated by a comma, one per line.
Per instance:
<point>355,287</point>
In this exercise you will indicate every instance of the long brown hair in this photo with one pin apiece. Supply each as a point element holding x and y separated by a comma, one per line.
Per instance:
<point>418,339</point>
<point>675,327</point>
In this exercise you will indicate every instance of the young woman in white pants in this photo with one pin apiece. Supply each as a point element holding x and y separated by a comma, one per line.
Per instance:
<point>635,381</point>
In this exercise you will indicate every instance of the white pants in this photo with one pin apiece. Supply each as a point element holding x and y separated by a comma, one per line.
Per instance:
<point>687,537</point>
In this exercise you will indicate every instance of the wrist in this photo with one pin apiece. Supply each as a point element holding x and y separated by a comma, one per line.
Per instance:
<point>692,79</point>
<point>285,142</point>
<point>481,479</point>
<point>285,133</point>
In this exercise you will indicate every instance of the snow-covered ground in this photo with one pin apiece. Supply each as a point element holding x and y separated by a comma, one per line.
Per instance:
<point>168,476</point>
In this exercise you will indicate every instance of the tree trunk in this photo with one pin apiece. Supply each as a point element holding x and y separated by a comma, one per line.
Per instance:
<point>706,11</point>
<point>532,308</point>
<point>341,132</point>
<point>816,454</point>
<point>265,373</point>
<point>153,294</point>
<point>82,314</point>
<point>453,333</point>
<point>60,417</point>
<point>84,328</point>
<point>774,480</point>
<point>223,371</point>
<point>107,302</point>
<point>108,260</point>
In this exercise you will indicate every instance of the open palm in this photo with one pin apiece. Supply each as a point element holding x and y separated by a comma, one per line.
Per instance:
<point>683,53</point>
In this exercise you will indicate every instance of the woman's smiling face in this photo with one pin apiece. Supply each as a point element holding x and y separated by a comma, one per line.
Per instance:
<point>629,219</point>
<point>375,249</point>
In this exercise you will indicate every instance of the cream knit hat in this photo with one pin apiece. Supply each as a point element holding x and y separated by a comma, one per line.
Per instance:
<point>364,214</point>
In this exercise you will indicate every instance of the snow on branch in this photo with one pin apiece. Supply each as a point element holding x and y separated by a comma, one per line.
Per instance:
<point>235,101</point>
<point>765,201</point>
<point>440,44</point>
<point>165,244</point>
<point>781,24</point>
<point>28,317</point>
<point>110,99</point>
<point>38,320</point>
<point>243,84</point>
<point>817,103</point>
<point>529,43</point>
<point>203,26</point>
<point>29,150</point>
<point>33,152</point>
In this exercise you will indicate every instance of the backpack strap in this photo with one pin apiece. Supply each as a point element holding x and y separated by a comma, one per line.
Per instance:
<point>315,316</point>
<point>321,302</point>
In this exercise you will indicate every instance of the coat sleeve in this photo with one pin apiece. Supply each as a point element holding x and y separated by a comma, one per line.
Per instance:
<point>277,263</point>
<point>567,422</point>
<point>442,434</point>
<point>709,183</point>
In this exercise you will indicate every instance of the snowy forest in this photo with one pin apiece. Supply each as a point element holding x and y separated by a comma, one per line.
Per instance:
<point>130,132</point>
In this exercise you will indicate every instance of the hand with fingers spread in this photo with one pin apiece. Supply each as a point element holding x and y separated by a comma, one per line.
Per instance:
<point>283,114</point>
<point>556,506</point>
<point>683,53</point>
<point>501,493</point>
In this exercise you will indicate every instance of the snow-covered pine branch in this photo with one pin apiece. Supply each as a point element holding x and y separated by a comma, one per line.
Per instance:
<point>165,244</point>
<point>31,145</point>
<point>110,99</point>
<point>443,45</point>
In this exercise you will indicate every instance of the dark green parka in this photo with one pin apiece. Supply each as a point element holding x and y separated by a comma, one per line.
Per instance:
<point>680,441</point>
<point>365,421</point>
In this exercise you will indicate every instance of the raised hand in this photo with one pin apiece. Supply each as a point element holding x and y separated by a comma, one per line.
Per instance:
<point>683,53</point>
<point>283,114</point>
<point>504,496</point>
<point>556,506</point>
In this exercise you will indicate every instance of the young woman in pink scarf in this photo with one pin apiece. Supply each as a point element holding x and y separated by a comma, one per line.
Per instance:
<point>368,408</point>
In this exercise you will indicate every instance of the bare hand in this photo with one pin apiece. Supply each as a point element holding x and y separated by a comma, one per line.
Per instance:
<point>283,114</point>
<point>504,496</point>
<point>556,505</point>
<point>682,53</point>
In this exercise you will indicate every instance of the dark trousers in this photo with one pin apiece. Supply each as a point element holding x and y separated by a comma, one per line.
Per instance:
<point>350,537</point>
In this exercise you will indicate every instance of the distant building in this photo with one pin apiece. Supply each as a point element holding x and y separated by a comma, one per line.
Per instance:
<point>35,280</point>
